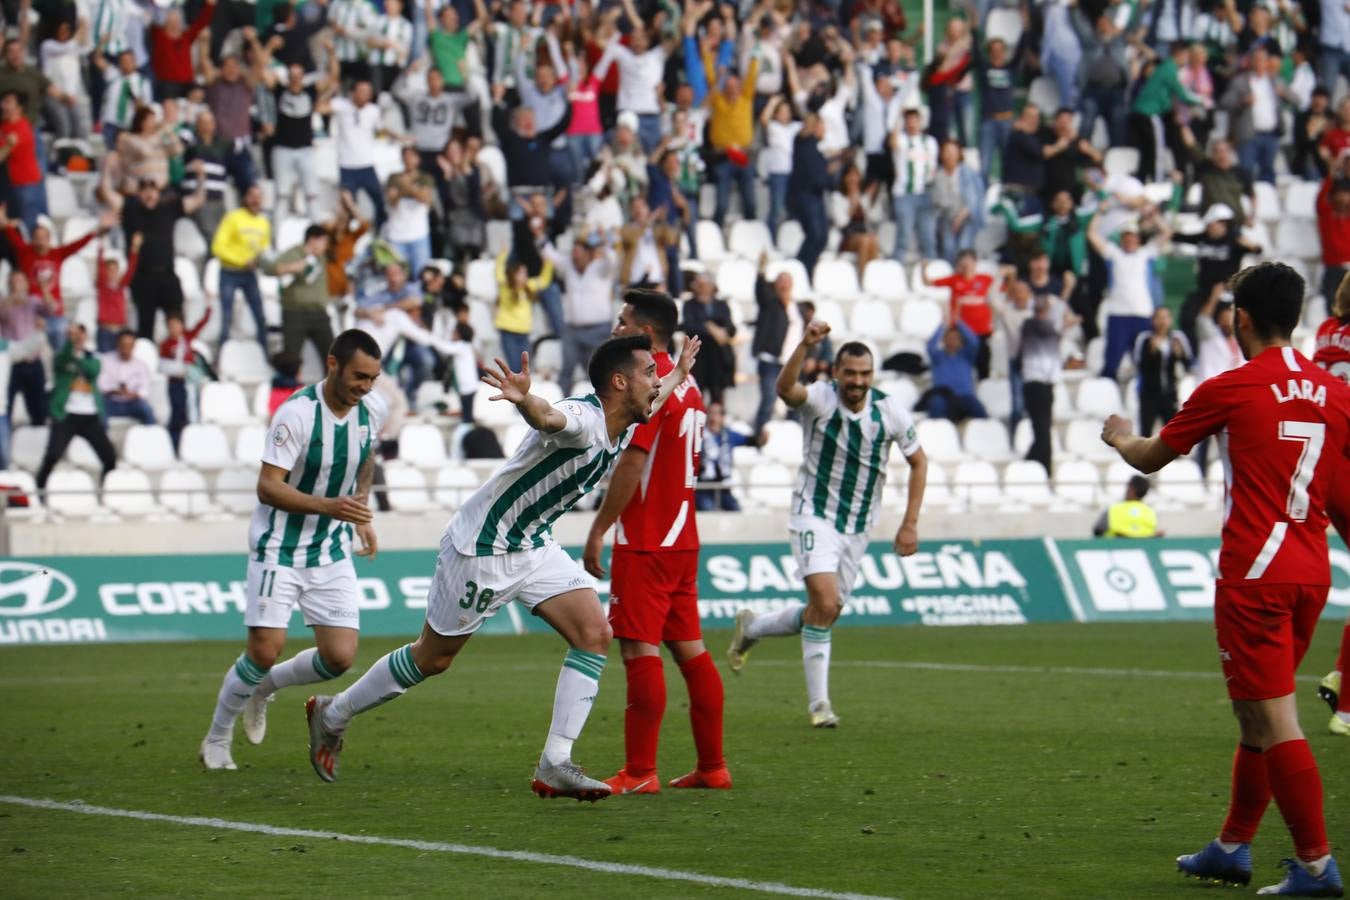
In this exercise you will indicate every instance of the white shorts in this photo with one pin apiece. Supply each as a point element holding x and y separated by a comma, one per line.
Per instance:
<point>468,590</point>
<point>327,595</point>
<point>818,548</point>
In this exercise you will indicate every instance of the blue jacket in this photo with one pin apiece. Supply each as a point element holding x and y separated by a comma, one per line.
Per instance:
<point>954,371</point>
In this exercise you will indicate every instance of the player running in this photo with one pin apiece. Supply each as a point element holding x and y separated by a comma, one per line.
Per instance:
<point>1333,354</point>
<point>1283,424</point>
<point>499,547</point>
<point>654,591</point>
<point>313,487</point>
<point>848,428</point>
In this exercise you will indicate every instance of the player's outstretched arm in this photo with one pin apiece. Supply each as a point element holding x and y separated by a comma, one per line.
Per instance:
<point>276,493</point>
<point>789,384</point>
<point>907,538</point>
<point>676,376</point>
<point>1148,455</point>
<point>514,387</point>
<point>623,484</point>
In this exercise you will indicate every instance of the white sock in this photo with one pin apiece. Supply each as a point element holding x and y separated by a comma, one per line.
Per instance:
<point>238,685</point>
<point>816,662</point>
<point>391,675</point>
<point>1317,866</point>
<point>1227,846</point>
<point>787,620</point>
<point>578,683</point>
<point>305,667</point>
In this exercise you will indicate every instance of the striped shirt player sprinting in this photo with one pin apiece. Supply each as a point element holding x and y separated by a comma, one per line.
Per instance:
<point>317,464</point>
<point>499,547</point>
<point>848,428</point>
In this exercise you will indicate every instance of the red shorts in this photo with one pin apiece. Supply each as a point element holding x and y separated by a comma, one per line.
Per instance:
<point>1263,633</point>
<point>653,597</point>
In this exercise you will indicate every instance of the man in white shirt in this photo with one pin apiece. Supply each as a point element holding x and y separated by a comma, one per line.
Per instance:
<point>915,158</point>
<point>1253,101</point>
<point>356,122</point>
<point>881,104</point>
<point>125,381</point>
<point>641,70</point>
<point>1128,304</point>
<point>588,303</point>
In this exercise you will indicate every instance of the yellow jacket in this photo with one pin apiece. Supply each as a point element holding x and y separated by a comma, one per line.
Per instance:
<point>515,309</point>
<point>731,124</point>
<point>1131,519</point>
<point>241,238</point>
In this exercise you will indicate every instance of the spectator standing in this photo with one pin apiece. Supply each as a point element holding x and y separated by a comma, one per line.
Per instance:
<point>155,286</point>
<point>969,304</point>
<point>641,66</point>
<point>390,41</point>
<point>588,274</point>
<point>585,133</point>
<point>547,96</point>
<point>345,230</point>
<point>1152,127</point>
<point>353,22</point>
<point>1103,74</point>
<point>778,329</point>
<point>230,95</point>
<point>856,213</point>
<point>1041,365</point>
<point>517,293</point>
<point>177,361</point>
<point>110,286</point>
<point>462,200</point>
<point>780,138</point>
<point>239,243</point>
<point>433,113</point>
<point>715,462</point>
<point>1223,181</point>
<point>125,89</point>
<point>1333,224</point>
<point>958,202</point>
<point>807,184</point>
<point>1253,100</point>
<point>355,122</point>
<point>62,58</point>
<point>528,150</point>
<point>882,104</point>
<point>76,406</point>
<point>20,325</point>
<point>171,50</point>
<point>1132,517</point>
<point>731,131</point>
<point>1060,49</point>
<point>1218,251</point>
<point>952,351</point>
<point>1217,350</point>
<point>294,161</point>
<point>27,195</point>
<point>409,195</point>
<point>124,381</point>
<point>1309,127</point>
<point>212,151</point>
<point>997,82</point>
<point>1024,161</point>
<point>1161,357</point>
<point>304,293</point>
<point>9,351</point>
<point>41,262</point>
<point>1066,155</point>
<point>915,158</point>
<point>1336,135</point>
<point>1011,312</point>
<point>1129,301</point>
<point>709,317</point>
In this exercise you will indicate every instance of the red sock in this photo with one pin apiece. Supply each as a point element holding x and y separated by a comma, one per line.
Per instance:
<point>1250,796</point>
<point>1297,786</point>
<point>1343,666</point>
<point>642,718</point>
<point>705,709</point>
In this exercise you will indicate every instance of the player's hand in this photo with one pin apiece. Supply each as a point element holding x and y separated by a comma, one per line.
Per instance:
<point>688,354</point>
<point>907,540</point>
<point>1114,428</point>
<point>369,545</point>
<point>512,387</point>
<point>350,509</point>
<point>815,332</point>
<point>590,557</point>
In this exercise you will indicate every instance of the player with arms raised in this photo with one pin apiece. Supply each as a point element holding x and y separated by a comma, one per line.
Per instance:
<point>313,487</point>
<point>499,547</point>
<point>847,430</point>
<point>1283,425</point>
<point>654,591</point>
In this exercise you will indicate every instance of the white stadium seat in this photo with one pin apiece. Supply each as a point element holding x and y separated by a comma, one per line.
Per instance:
<point>837,279</point>
<point>422,446</point>
<point>748,239</point>
<point>711,245</point>
<point>1078,481</point>
<point>871,318</point>
<point>188,241</point>
<point>62,203</point>
<point>516,433</point>
<point>940,440</point>
<point>885,279</point>
<point>1300,199</point>
<point>783,441</point>
<point>243,361</point>
<point>1098,398</point>
<point>183,491</point>
<point>249,443</point>
<point>406,488</point>
<point>1026,481</point>
<point>481,280</point>
<point>987,439</point>
<point>920,318</point>
<point>1183,482</point>
<point>127,492</point>
<point>148,447</point>
<point>736,279</point>
<point>801,279</point>
<point>224,403</point>
<point>790,237</point>
<point>237,490</point>
<point>71,492</point>
<point>996,395</point>
<point>454,485</point>
<point>771,485</point>
<point>28,444</point>
<point>205,447</point>
<point>1084,438</point>
<point>977,481</point>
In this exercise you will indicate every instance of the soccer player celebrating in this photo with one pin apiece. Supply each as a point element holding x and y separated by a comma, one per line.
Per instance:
<point>313,487</point>
<point>499,547</point>
<point>654,591</point>
<point>1333,354</point>
<point>1284,423</point>
<point>848,427</point>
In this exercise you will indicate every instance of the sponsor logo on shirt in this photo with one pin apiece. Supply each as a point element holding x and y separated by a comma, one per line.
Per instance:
<point>280,435</point>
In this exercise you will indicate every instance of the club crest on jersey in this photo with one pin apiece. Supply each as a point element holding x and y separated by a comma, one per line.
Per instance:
<point>1301,389</point>
<point>280,435</point>
<point>363,434</point>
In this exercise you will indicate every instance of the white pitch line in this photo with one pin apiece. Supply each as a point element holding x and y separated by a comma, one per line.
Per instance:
<point>546,859</point>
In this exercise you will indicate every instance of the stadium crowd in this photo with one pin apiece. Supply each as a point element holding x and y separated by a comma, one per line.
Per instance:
<point>1057,195</point>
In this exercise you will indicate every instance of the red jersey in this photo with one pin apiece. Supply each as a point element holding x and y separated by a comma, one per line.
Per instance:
<point>661,514</point>
<point>45,268</point>
<point>23,162</point>
<point>112,295</point>
<point>1333,348</point>
<point>1283,426</point>
<point>969,301</point>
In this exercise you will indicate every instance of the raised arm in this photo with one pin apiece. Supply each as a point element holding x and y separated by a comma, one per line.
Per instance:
<point>676,376</point>
<point>1147,454</point>
<point>514,387</point>
<point>789,383</point>
<point>1094,236</point>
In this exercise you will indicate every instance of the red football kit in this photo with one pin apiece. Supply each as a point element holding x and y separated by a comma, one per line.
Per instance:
<point>970,301</point>
<point>1283,424</point>
<point>654,583</point>
<point>1333,348</point>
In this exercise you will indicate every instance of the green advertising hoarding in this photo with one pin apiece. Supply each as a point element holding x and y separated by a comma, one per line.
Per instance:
<point>148,598</point>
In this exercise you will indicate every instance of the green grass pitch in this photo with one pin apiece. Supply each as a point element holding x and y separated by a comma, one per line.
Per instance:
<point>997,773</point>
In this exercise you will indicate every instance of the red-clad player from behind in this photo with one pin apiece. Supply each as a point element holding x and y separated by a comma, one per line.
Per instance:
<point>1333,354</point>
<point>1284,424</point>
<point>654,589</point>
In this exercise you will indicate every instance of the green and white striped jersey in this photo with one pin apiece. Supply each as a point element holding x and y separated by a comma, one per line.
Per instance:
<point>844,457</point>
<point>515,509</point>
<point>323,454</point>
<point>357,19</point>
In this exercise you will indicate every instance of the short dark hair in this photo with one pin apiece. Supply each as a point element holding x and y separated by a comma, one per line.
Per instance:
<point>315,231</point>
<point>287,364</point>
<point>345,345</point>
<point>1139,484</point>
<point>614,355</point>
<point>852,348</point>
<point>125,332</point>
<point>655,309</point>
<point>1064,111</point>
<point>1272,295</point>
<point>965,253</point>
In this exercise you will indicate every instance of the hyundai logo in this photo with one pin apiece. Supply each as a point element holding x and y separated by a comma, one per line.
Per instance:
<point>27,589</point>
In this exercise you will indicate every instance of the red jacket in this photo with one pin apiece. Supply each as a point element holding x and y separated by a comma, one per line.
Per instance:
<point>47,266</point>
<point>181,348</point>
<point>112,295</point>
<point>1335,229</point>
<point>171,58</point>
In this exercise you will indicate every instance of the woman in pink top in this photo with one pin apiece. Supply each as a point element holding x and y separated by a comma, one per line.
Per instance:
<point>585,135</point>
